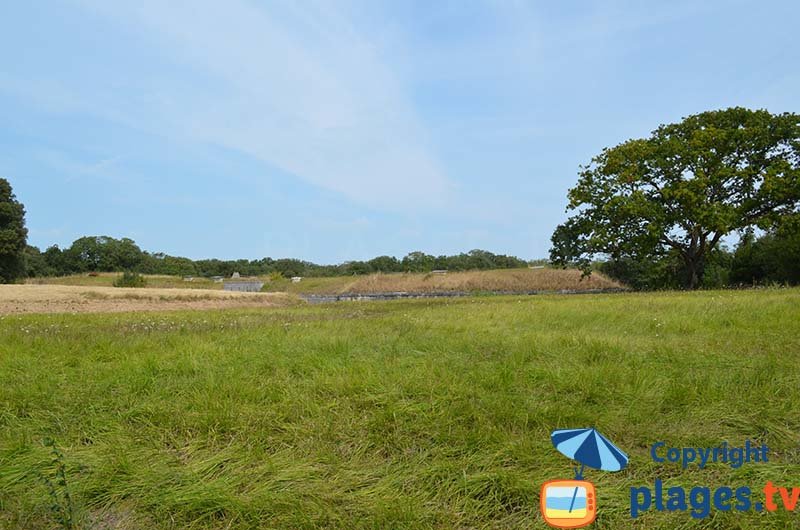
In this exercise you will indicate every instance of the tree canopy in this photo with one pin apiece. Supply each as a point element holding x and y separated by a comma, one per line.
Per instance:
<point>13,235</point>
<point>683,189</point>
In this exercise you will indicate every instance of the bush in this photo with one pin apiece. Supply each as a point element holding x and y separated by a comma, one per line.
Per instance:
<point>772,258</point>
<point>645,274</point>
<point>130,279</point>
<point>668,271</point>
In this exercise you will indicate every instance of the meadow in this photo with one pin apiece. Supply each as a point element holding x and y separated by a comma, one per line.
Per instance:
<point>402,414</point>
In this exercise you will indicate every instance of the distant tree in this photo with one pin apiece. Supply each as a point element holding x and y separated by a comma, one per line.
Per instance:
<point>653,273</point>
<point>784,266</point>
<point>125,254</point>
<point>35,263</point>
<point>774,257</point>
<point>87,254</point>
<point>178,266</point>
<point>56,261</point>
<point>480,259</point>
<point>667,271</point>
<point>214,267</point>
<point>290,267</point>
<point>683,189</point>
<point>418,262</point>
<point>349,268</point>
<point>103,253</point>
<point>13,235</point>
<point>384,264</point>
<point>444,263</point>
<point>458,262</point>
<point>748,267</point>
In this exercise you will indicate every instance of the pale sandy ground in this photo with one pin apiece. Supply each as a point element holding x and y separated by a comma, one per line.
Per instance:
<point>17,299</point>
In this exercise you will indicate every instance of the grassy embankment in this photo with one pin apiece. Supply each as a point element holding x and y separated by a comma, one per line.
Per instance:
<point>508,280</point>
<point>407,414</point>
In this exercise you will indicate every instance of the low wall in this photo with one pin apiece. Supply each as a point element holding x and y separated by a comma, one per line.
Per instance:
<point>246,287</point>
<point>322,298</point>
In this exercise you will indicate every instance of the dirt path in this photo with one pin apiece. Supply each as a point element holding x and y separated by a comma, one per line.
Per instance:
<point>20,299</point>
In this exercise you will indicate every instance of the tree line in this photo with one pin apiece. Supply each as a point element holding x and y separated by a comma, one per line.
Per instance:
<point>774,257</point>
<point>107,254</point>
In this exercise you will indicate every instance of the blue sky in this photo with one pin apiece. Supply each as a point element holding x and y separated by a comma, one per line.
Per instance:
<point>335,130</point>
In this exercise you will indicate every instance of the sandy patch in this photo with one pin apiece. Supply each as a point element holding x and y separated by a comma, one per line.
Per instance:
<point>18,299</point>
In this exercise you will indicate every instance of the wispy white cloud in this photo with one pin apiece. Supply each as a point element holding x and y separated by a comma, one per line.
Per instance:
<point>104,169</point>
<point>299,89</point>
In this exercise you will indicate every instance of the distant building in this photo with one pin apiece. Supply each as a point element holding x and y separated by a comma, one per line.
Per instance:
<point>439,271</point>
<point>296,279</point>
<point>235,275</point>
<point>243,285</point>
<point>217,279</point>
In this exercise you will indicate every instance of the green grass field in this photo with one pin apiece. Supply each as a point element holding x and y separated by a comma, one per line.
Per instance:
<point>404,414</point>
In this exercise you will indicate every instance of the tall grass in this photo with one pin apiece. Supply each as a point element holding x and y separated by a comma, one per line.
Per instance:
<point>505,280</point>
<point>410,414</point>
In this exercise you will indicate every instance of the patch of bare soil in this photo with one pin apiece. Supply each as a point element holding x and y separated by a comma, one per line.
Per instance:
<point>20,299</point>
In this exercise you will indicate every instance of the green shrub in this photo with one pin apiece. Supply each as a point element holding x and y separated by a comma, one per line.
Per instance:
<point>58,489</point>
<point>130,279</point>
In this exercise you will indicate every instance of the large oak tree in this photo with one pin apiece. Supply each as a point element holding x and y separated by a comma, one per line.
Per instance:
<point>683,189</point>
<point>13,235</point>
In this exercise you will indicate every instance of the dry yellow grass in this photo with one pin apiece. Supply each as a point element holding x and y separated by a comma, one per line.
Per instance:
<point>502,280</point>
<point>106,279</point>
<point>16,299</point>
<point>510,280</point>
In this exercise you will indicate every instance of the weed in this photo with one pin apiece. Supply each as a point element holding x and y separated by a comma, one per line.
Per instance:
<point>57,488</point>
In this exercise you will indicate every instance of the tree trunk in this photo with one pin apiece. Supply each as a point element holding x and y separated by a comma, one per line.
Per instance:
<point>694,271</point>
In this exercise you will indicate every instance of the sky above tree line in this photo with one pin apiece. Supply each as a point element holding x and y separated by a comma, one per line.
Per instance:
<point>337,130</point>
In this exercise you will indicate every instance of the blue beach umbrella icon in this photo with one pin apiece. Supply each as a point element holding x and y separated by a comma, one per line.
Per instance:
<point>591,449</point>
